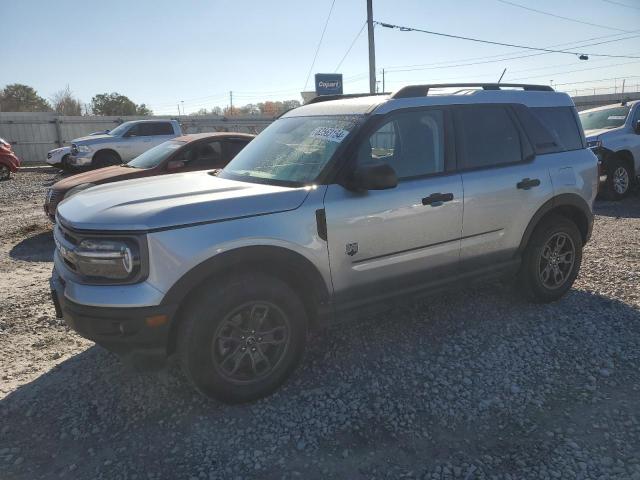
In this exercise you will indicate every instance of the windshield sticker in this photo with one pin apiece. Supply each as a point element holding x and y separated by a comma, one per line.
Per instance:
<point>616,117</point>
<point>329,133</point>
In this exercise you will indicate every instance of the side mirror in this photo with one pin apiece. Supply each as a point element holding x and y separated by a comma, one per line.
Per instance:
<point>374,176</point>
<point>636,127</point>
<point>174,165</point>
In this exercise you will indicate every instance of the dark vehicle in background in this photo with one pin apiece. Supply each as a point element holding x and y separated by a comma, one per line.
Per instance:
<point>202,151</point>
<point>9,162</point>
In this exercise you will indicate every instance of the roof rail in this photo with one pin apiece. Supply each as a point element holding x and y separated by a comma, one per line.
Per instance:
<point>423,90</point>
<point>326,98</point>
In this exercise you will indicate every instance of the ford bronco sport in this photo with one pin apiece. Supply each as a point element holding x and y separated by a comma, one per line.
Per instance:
<point>338,204</point>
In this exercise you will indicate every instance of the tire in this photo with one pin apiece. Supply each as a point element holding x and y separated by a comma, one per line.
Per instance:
<point>106,159</point>
<point>223,355</point>
<point>619,179</point>
<point>5,173</point>
<point>64,163</point>
<point>540,256</point>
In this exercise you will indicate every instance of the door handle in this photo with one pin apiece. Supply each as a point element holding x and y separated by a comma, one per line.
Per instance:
<point>437,199</point>
<point>527,183</point>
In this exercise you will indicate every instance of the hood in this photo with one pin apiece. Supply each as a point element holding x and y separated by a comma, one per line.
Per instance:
<point>94,138</point>
<point>596,132</point>
<point>174,200</point>
<point>101,175</point>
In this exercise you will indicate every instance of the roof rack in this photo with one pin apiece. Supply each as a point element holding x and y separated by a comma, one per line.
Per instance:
<point>326,98</point>
<point>423,90</point>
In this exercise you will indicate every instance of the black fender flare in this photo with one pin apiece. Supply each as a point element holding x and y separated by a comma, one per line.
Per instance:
<point>558,203</point>
<point>270,258</point>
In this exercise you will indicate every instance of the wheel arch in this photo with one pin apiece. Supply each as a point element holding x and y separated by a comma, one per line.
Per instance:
<point>289,266</point>
<point>570,206</point>
<point>106,150</point>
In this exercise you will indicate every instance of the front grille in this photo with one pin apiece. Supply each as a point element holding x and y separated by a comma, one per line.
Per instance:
<point>74,149</point>
<point>65,245</point>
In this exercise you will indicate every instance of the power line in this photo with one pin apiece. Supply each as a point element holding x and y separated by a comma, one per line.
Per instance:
<point>324,29</point>
<point>621,4</point>
<point>509,56</point>
<point>490,42</point>
<point>513,4</point>
<point>598,80</point>
<point>364,24</point>
<point>573,71</point>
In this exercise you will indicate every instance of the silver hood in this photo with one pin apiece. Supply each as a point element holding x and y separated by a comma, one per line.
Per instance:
<point>592,134</point>
<point>172,201</point>
<point>95,138</point>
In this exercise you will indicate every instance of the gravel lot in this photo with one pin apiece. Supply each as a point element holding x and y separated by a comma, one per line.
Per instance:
<point>477,385</point>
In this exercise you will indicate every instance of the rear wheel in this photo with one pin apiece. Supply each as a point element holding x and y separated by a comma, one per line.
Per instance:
<point>551,260</point>
<point>241,339</point>
<point>106,159</point>
<point>619,179</point>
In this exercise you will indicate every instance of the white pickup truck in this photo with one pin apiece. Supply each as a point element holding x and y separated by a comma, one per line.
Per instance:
<point>613,133</point>
<point>121,144</point>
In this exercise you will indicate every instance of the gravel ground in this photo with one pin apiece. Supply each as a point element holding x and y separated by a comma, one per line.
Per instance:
<point>478,385</point>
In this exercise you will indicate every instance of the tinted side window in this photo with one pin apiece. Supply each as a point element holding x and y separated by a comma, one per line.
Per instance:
<point>161,128</point>
<point>206,155</point>
<point>134,131</point>
<point>412,143</point>
<point>561,123</point>
<point>488,136</point>
<point>232,148</point>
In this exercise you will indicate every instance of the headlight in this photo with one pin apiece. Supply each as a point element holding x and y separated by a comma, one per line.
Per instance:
<point>108,259</point>
<point>594,143</point>
<point>83,148</point>
<point>78,189</point>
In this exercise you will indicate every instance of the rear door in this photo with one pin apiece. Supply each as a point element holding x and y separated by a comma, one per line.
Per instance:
<point>504,184</point>
<point>392,241</point>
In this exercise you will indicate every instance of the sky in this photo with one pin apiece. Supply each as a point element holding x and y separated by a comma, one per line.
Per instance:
<point>162,53</point>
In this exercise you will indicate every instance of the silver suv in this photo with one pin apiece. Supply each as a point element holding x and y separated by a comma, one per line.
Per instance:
<point>338,204</point>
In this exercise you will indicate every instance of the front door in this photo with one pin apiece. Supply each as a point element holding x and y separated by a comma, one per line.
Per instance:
<point>393,241</point>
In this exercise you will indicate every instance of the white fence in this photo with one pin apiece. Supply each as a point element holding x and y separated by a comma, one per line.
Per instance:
<point>32,135</point>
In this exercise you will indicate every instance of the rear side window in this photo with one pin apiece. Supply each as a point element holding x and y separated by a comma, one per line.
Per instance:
<point>487,136</point>
<point>561,123</point>
<point>232,148</point>
<point>161,128</point>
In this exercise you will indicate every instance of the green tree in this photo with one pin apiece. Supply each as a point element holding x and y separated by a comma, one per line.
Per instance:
<point>22,98</point>
<point>142,109</point>
<point>116,104</point>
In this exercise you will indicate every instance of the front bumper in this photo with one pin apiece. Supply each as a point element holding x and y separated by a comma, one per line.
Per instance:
<point>139,335</point>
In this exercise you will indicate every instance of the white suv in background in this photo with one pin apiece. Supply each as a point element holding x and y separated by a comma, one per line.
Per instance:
<point>613,132</point>
<point>339,204</point>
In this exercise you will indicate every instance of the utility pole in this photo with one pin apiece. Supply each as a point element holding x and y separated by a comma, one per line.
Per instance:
<point>178,109</point>
<point>182,102</point>
<point>230,102</point>
<point>372,48</point>
<point>383,89</point>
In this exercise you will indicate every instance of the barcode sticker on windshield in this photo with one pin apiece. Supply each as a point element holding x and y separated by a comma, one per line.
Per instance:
<point>616,117</point>
<point>329,133</point>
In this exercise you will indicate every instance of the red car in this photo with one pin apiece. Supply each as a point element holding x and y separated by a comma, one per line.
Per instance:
<point>8,160</point>
<point>200,151</point>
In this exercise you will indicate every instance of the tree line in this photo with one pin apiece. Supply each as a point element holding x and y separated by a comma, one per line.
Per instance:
<point>23,98</point>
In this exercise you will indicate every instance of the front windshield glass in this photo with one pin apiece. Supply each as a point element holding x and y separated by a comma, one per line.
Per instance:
<point>120,129</point>
<point>155,156</point>
<point>291,151</point>
<point>607,118</point>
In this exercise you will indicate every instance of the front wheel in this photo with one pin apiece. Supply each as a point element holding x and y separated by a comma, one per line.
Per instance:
<point>241,339</point>
<point>551,260</point>
<point>5,173</point>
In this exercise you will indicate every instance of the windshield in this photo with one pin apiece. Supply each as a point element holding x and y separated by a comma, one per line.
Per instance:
<point>155,156</point>
<point>120,129</point>
<point>291,151</point>
<point>607,118</point>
